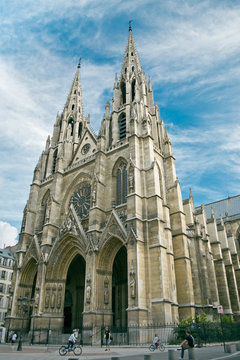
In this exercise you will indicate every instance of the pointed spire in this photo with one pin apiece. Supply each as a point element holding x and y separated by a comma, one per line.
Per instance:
<point>131,60</point>
<point>74,101</point>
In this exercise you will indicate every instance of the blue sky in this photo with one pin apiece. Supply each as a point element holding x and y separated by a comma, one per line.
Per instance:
<point>190,49</point>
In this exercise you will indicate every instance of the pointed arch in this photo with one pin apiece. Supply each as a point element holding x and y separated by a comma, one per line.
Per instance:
<point>120,181</point>
<point>45,207</point>
<point>71,122</point>
<point>133,89</point>
<point>123,92</point>
<point>54,162</point>
<point>122,126</point>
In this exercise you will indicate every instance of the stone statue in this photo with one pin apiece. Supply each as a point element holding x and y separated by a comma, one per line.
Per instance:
<point>88,294</point>
<point>47,299</point>
<point>106,292</point>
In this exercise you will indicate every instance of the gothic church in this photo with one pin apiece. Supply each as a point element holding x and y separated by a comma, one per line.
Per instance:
<point>106,237</point>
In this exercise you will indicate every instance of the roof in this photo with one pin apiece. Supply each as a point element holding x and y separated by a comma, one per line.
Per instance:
<point>227,207</point>
<point>6,253</point>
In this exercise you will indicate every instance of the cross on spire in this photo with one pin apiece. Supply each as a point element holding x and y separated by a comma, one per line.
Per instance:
<point>130,24</point>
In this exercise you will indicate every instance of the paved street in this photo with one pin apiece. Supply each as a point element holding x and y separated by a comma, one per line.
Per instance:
<point>126,353</point>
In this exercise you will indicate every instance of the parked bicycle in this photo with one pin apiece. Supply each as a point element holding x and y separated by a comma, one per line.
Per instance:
<point>63,350</point>
<point>159,346</point>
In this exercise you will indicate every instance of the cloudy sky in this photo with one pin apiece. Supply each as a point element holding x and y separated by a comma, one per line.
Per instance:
<point>190,49</point>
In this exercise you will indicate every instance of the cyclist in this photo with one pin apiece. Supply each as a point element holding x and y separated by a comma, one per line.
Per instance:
<point>71,341</point>
<point>156,340</point>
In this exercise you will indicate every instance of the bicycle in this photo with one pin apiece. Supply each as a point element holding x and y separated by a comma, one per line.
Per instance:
<point>160,347</point>
<point>63,350</point>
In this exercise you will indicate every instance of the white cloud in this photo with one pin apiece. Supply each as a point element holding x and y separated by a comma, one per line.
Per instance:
<point>8,235</point>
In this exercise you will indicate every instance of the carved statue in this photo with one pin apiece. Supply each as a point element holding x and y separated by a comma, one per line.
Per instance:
<point>59,297</point>
<point>88,294</point>
<point>53,299</point>
<point>47,299</point>
<point>106,292</point>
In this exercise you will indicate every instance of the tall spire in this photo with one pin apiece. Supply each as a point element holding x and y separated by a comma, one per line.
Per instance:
<point>74,101</point>
<point>131,60</point>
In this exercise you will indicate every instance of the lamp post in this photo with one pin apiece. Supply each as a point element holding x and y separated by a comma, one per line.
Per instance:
<point>23,306</point>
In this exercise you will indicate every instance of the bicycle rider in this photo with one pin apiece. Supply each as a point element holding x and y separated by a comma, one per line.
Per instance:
<point>156,340</point>
<point>71,341</point>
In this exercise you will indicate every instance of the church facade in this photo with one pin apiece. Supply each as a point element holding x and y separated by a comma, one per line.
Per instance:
<point>106,237</point>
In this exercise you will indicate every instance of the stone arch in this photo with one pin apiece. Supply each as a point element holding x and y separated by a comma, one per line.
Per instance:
<point>122,126</point>
<point>123,92</point>
<point>110,289</point>
<point>45,207</point>
<point>119,181</point>
<point>61,256</point>
<point>26,288</point>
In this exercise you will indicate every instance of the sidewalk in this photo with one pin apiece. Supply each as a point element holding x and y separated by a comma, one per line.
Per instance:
<point>126,353</point>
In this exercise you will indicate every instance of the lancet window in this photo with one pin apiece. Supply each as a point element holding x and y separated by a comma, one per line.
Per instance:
<point>133,89</point>
<point>122,183</point>
<point>122,126</point>
<point>123,91</point>
<point>54,161</point>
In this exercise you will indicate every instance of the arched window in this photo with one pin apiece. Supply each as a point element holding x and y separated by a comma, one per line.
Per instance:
<point>239,240</point>
<point>133,89</point>
<point>54,161</point>
<point>122,126</point>
<point>71,122</point>
<point>123,90</point>
<point>122,184</point>
<point>73,107</point>
<point>80,130</point>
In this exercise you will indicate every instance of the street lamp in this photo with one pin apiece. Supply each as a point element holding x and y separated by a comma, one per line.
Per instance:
<point>23,306</point>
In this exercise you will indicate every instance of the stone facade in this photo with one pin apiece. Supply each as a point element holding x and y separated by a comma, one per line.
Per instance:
<point>106,238</point>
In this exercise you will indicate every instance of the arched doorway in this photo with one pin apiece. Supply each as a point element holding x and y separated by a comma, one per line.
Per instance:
<point>120,288</point>
<point>74,294</point>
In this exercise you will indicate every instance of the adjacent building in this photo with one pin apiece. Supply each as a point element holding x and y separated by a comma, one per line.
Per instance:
<point>6,273</point>
<point>106,237</point>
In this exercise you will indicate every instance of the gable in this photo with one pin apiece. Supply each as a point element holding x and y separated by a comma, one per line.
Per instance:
<point>86,147</point>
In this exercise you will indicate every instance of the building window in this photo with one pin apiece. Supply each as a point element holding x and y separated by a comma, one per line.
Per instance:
<point>72,107</point>
<point>122,126</point>
<point>133,89</point>
<point>54,161</point>
<point>3,276</point>
<point>5,262</point>
<point>123,90</point>
<point>122,184</point>
<point>80,130</point>
<point>1,287</point>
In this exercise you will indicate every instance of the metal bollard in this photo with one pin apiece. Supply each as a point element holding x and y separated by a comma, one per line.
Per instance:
<point>228,348</point>
<point>171,354</point>
<point>147,357</point>
<point>191,354</point>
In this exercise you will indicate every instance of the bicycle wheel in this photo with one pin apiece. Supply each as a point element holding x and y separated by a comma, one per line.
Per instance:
<point>161,347</point>
<point>152,347</point>
<point>63,350</point>
<point>77,350</point>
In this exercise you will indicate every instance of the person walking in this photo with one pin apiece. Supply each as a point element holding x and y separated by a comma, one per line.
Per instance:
<point>107,337</point>
<point>13,339</point>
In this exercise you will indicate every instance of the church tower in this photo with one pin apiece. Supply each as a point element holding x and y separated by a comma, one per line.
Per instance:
<point>106,238</point>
